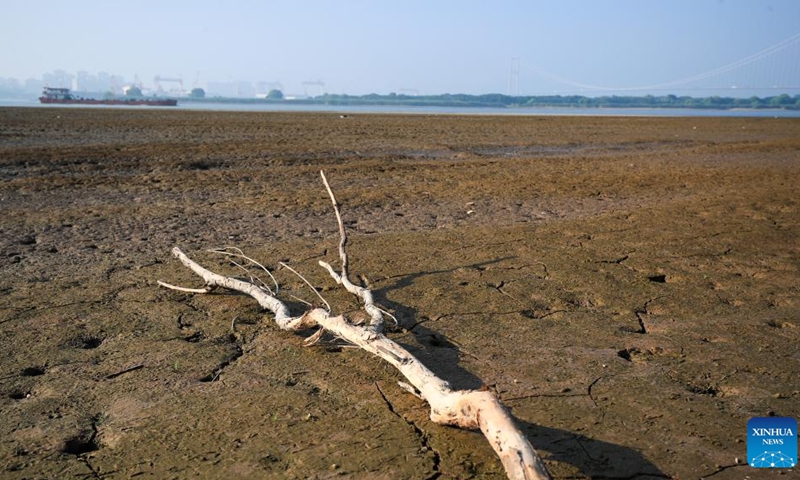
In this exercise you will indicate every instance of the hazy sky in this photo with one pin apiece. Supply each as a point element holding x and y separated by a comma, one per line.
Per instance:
<point>359,47</point>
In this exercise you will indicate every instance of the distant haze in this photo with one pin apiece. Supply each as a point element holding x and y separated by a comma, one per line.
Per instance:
<point>413,47</point>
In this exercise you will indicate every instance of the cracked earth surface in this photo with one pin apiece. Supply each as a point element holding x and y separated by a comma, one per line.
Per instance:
<point>628,286</point>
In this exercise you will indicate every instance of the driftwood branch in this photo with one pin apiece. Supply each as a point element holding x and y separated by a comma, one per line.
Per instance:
<point>375,313</point>
<point>469,409</point>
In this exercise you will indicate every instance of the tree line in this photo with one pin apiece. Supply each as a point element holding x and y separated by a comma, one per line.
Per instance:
<point>783,101</point>
<point>497,100</point>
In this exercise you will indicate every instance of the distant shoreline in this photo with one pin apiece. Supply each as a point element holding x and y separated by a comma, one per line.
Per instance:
<point>365,108</point>
<point>782,102</point>
<point>778,102</point>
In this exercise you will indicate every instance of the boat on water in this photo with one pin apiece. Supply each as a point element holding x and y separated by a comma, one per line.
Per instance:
<point>63,96</point>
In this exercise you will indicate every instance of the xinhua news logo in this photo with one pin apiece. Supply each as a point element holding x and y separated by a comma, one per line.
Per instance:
<point>772,442</point>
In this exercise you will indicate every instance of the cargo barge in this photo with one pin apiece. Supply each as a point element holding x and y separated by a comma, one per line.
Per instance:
<point>63,96</point>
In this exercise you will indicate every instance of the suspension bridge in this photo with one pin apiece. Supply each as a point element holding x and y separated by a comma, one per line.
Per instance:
<point>772,71</point>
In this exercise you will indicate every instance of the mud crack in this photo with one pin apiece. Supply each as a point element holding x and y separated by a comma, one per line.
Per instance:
<point>85,443</point>
<point>642,328</point>
<point>616,261</point>
<point>566,392</point>
<point>94,472</point>
<point>214,376</point>
<point>644,310</point>
<point>722,468</point>
<point>499,288</point>
<point>589,389</point>
<point>124,371</point>
<point>419,433</point>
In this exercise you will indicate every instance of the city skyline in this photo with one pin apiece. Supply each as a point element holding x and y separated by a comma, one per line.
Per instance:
<point>357,48</point>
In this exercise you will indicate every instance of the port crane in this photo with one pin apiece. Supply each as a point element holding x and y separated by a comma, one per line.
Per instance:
<point>159,79</point>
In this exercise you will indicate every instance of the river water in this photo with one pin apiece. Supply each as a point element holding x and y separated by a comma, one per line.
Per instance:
<point>399,109</point>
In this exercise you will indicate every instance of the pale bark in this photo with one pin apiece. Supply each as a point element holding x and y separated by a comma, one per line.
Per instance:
<point>470,409</point>
<point>375,313</point>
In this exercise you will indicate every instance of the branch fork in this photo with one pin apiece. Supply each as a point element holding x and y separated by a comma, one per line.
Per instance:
<point>469,409</point>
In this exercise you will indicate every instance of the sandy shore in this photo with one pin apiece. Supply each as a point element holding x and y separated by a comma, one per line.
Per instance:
<point>628,286</point>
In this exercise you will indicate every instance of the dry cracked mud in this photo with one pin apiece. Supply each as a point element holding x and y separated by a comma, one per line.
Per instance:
<point>629,287</point>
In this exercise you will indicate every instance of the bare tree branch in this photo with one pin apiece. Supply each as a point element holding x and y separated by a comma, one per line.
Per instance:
<point>470,409</point>
<point>375,313</point>
<point>240,253</point>
<point>307,283</point>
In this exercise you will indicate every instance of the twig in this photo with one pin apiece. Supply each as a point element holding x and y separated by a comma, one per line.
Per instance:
<point>307,283</point>
<point>245,270</point>
<point>408,388</point>
<point>389,314</point>
<point>301,300</point>
<point>267,301</point>
<point>241,254</point>
<point>184,289</point>
<point>375,313</point>
<point>314,339</point>
<point>342,232</point>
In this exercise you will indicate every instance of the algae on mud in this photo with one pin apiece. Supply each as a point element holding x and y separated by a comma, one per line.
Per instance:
<point>628,285</point>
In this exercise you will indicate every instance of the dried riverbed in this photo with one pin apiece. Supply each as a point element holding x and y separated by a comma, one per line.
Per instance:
<point>628,286</point>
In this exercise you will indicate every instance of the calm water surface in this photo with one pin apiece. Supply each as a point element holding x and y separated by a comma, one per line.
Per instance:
<point>342,109</point>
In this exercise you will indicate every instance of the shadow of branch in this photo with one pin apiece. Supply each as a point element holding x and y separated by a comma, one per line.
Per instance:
<point>567,453</point>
